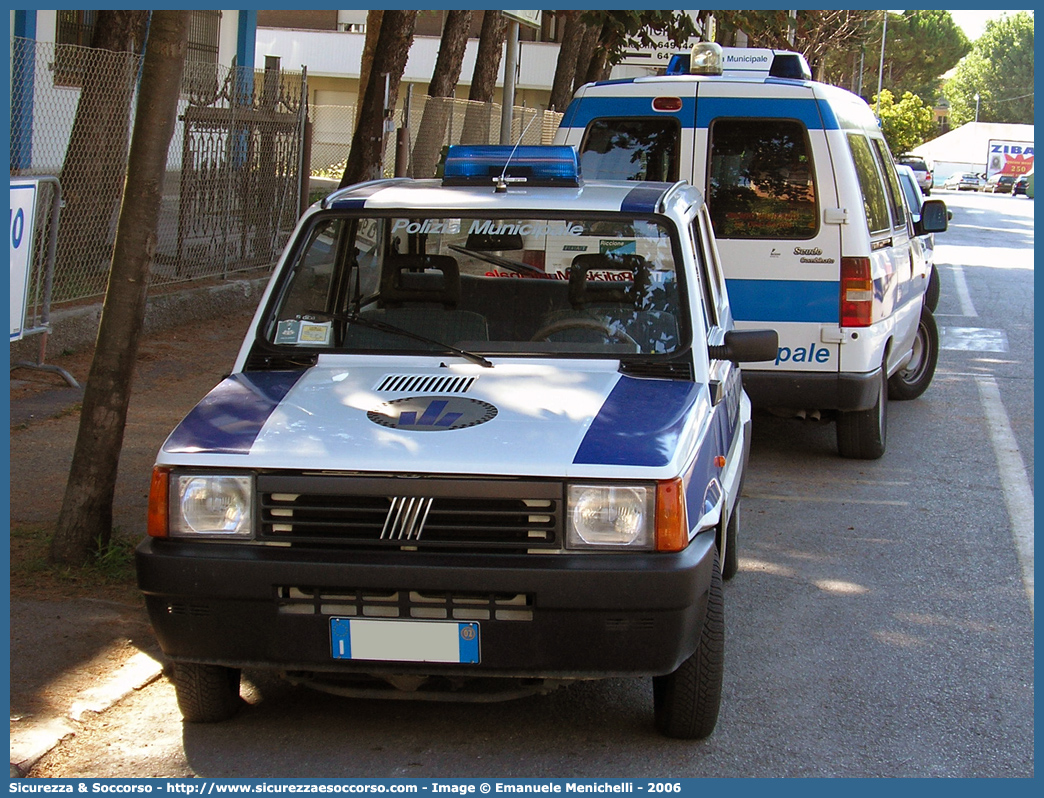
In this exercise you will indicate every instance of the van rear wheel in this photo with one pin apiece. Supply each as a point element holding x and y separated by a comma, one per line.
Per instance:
<point>206,693</point>
<point>914,378</point>
<point>862,434</point>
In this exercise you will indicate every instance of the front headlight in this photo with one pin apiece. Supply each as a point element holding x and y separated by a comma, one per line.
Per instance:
<point>211,505</point>
<point>611,516</point>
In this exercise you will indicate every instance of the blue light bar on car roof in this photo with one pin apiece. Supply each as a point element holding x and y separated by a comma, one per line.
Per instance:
<point>492,164</point>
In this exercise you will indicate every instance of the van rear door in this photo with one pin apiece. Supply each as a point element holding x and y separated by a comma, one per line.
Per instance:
<point>761,155</point>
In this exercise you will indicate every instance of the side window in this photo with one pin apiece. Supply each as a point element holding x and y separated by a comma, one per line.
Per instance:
<point>884,158</point>
<point>870,183</point>
<point>710,310</point>
<point>631,149</point>
<point>761,180</point>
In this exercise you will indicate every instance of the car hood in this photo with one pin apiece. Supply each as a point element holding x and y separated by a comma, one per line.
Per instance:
<point>535,418</point>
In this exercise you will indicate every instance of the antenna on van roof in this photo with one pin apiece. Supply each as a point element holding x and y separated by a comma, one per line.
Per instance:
<point>501,187</point>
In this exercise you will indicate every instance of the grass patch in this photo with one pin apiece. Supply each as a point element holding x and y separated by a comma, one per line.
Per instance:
<point>109,574</point>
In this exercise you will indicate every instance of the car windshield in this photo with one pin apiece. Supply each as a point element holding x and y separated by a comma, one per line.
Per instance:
<point>593,285</point>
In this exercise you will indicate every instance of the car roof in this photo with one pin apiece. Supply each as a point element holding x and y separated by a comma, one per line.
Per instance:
<point>614,196</point>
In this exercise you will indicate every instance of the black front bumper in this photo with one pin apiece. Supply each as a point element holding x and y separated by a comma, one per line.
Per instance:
<point>586,615</point>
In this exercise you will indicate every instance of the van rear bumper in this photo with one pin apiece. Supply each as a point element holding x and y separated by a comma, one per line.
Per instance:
<point>807,390</point>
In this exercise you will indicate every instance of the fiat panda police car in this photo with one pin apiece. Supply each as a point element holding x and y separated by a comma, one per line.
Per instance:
<point>485,426</point>
<point>809,217</point>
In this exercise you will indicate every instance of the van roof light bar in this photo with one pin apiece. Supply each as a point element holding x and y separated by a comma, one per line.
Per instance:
<point>489,164</point>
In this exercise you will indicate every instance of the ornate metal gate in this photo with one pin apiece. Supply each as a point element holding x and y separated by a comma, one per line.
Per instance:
<point>241,165</point>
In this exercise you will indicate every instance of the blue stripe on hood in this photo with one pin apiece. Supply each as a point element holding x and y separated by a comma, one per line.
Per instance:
<point>230,417</point>
<point>639,424</point>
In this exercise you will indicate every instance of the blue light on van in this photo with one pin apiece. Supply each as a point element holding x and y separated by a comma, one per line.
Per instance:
<point>679,64</point>
<point>484,164</point>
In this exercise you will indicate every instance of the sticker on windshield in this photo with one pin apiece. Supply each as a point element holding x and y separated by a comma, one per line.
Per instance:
<point>309,333</point>
<point>432,413</point>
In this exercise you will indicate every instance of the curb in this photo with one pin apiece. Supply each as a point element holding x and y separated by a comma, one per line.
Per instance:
<point>34,737</point>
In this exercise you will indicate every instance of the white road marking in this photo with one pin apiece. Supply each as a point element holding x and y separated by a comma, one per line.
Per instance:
<point>973,339</point>
<point>1018,493</point>
<point>963,295</point>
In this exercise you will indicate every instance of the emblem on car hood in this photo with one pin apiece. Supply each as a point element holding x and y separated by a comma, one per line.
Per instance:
<point>432,413</point>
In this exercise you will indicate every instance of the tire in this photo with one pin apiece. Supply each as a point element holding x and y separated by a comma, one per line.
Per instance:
<point>931,296</point>
<point>913,379</point>
<point>206,693</point>
<point>686,702</point>
<point>862,434</point>
<point>730,563</point>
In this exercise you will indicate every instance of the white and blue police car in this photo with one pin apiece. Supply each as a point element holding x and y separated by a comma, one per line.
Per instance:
<point>485,426</point>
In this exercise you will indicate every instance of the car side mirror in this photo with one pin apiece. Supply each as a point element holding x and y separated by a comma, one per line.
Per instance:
<point>747,346</point>
<point>934,217</point>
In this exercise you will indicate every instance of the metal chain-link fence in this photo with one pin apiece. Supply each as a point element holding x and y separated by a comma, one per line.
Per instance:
<point>232,190</point>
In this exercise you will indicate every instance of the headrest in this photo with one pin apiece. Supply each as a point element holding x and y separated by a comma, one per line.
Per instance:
<point>584,291</point>
<point>420,278</point>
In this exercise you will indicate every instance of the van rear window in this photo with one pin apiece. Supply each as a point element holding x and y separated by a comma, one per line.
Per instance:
<point>761,182</point>
<point>631,149</point>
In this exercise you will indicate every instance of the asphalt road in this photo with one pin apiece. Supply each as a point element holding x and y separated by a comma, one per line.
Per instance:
<point>880,625</point>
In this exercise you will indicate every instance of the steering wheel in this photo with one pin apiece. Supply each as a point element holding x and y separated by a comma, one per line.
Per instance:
<point>545,333</point>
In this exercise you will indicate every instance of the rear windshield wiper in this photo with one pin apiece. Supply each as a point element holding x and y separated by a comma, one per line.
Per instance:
<point>383,326</point>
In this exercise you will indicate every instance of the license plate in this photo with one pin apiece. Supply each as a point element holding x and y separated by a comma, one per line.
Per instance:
<point>404,641</point>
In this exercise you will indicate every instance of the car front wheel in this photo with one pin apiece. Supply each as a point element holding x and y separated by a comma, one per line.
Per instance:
<point>206,693</point>
<point>686,701</point>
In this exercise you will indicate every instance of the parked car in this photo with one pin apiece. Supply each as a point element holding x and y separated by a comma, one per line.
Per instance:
<point>915,201</point>
<point>963,181</point>
<point>1020,185</point>
<point>921,169</point>
<point>998,184</point>
<point>487,430</point>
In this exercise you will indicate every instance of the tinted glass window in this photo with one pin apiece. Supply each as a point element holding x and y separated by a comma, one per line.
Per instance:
<point>885,162</point>
<point>870,182</point>
<point>631,149</point>
<point>761,181</point>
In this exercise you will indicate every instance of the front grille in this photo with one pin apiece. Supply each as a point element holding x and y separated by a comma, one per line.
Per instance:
<point>417,604</point>
<point>469,515</point>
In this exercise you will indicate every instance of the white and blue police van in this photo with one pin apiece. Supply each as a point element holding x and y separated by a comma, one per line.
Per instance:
<point>447,459</point>
<point>809,218</point>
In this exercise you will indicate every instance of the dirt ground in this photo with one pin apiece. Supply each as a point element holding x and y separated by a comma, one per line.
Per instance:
<point>176,368</point>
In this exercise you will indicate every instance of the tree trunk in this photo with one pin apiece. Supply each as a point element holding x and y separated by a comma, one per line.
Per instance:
<point>85,521</point>
<point>365,160</point>
<point>586,53</point>
<point>598,68</point>
<point>484,79</point>
<point>565,69</point>
<point>443,82</point>
<point>373,30</point>
<point>96,157</point>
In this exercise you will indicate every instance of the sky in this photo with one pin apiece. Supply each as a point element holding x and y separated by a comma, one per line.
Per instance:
<point>974,22</point>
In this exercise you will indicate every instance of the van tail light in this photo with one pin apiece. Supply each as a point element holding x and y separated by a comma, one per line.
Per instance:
<point>159,493</point>
<point>857,292</point>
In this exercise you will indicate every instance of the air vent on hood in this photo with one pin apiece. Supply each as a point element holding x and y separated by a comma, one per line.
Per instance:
<point>428,383</point>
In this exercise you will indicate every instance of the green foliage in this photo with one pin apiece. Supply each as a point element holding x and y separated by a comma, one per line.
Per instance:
<point>921,47</point>
<point>906,124</point>
<point>1000,70</point>
<point>623,30</point>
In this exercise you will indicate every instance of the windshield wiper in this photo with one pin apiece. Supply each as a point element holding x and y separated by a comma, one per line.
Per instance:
<point>383,326</point>
<point>497,260</point>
